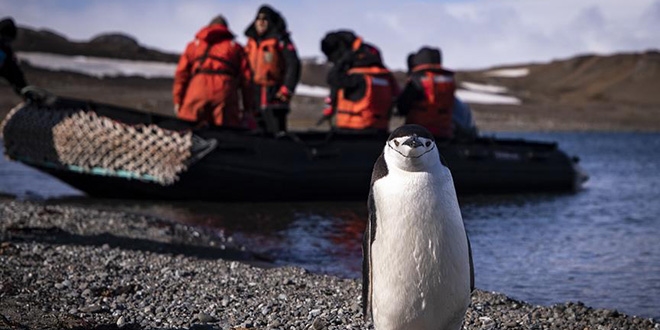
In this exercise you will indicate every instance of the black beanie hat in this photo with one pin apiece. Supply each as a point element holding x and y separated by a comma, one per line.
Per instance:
<point>426,55</point>
<point>8,28</point>
<point>220,20</point>
<point>336,43</point>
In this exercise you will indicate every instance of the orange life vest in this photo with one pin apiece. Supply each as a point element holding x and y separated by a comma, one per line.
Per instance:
<point>266,61</point>
<point>434,111</point>
<point>371,111</point>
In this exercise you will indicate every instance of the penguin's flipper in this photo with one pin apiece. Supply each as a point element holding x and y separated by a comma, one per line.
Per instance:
<point>367,240</point>
<point>380,170</point>
<point>471,263</point>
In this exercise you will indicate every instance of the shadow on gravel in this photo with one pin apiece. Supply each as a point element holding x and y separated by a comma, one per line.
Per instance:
<point>44,320</point>
<point>54,235</point>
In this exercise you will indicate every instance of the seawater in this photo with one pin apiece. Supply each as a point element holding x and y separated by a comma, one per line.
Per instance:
<point>600,245</point>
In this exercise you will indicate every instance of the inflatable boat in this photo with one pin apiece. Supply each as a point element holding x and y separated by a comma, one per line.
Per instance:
<point>115,152</point>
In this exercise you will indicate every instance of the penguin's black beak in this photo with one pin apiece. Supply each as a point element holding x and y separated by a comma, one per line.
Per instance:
<point>413,142</point>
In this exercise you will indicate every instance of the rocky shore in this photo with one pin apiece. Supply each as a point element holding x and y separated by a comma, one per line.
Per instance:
<point>67,267</point>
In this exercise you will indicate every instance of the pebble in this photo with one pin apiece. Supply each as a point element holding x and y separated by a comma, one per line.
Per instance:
<point>205,318</point>
<point>318,324</point>
<point>121,321</point>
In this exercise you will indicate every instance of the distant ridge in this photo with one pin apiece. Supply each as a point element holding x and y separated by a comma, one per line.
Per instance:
<point>109,45</point>
<point>625,78</point>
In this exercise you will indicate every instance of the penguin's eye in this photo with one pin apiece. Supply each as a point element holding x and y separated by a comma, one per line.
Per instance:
<point>396,143</point>
<point>428,143</point>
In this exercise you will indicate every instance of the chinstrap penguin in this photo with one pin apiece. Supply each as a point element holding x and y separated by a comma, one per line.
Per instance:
<point>417,263</point>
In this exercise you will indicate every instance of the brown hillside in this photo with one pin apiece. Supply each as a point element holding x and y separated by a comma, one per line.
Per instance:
<point>110,45</point>
<point>313,73</point>
<point>632,79</point>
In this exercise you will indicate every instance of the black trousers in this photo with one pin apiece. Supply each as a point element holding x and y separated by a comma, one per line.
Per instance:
<point>273,120</point>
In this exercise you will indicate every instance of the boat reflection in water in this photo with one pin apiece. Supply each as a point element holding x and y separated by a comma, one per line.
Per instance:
<point>322,237</point>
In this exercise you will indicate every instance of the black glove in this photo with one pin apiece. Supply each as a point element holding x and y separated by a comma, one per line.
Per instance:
<point>36,95</point>
<point>328,113</point>
<point>31,97</point>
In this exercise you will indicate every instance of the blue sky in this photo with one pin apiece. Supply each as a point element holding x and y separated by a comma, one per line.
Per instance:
<point>472,33</point>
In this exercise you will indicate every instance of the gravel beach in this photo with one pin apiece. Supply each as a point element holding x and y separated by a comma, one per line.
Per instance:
<point>68,267</point>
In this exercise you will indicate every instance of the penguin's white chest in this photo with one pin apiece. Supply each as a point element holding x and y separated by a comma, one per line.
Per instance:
<point>420,264</point>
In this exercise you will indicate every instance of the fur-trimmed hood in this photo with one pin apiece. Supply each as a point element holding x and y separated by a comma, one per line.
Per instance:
<point>276,24</point>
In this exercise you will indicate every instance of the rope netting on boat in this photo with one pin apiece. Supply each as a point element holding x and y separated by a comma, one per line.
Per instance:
<point>83,141</point>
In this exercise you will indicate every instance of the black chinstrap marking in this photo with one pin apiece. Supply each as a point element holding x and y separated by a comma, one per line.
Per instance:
<point>399,152</point>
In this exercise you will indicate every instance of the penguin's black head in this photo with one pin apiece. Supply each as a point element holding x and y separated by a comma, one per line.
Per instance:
<point>409,130</point>
<point>411,145</point>
<point>413,136</point>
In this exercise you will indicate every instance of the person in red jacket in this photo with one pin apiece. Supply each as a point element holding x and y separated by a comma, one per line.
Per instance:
<point>210,74</point>
<point>275,67</point>
<point>362,89</point>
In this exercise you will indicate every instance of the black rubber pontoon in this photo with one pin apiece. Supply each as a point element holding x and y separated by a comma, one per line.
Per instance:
<point>238,165</point>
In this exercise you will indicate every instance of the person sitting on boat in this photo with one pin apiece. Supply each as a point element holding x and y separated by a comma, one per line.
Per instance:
<point>9,68</point>
<point>463,122</point>
<point>427,95</point>
<point>362,89</point>
<point>276,68</point>
<point>210,73</point>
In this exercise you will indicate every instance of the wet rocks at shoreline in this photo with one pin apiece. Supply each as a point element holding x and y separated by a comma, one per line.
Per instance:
<point>72,267</point>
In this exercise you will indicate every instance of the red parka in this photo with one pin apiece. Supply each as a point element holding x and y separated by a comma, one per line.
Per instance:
<point>210,74</point>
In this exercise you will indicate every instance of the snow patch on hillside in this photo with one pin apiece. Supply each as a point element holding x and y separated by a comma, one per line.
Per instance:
<point>99,67</point>
<point>508,73</point>
<point>315,91</point>
<point>475,87</point>
<point>485,98</point>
